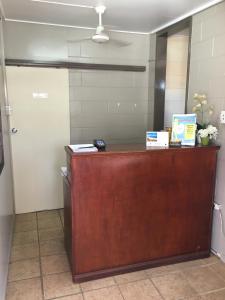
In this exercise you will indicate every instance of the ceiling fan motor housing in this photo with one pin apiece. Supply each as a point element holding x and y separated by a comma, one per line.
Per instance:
<point>100,9</point>
<point>100,38</point>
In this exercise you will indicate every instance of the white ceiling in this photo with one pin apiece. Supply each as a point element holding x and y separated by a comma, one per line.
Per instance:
<point>126,15</point>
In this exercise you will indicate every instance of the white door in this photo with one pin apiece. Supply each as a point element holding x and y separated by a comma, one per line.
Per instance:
<point>40,103</point>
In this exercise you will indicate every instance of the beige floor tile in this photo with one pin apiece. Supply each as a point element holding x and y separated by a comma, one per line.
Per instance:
<point>46,214</point>
<point>219,295</point>
<point>219,268</point>
<point>159,271</point>
<point>129,277</point>
<point>204,279</point>
<point>24,269</point>
<point>52,222</point>
<point>25,225</point>
<point>52,247</point>
<point>50,234</point>
<point>23,238</point>
<point>58,285</point>
<point>190,264</point>
<point>109,293</point>
<point>26,217</point>
<point>73,297</point>
<point>139,290</point>
<point>24,252</point>
<point>97,284</point>
<point>211,260</point>
<point>174,286</point>
<point>54,264</point>
<point>29,289</point>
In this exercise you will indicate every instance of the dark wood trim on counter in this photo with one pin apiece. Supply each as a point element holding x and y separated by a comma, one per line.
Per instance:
<point>139,266</point>
<point>72,65</point>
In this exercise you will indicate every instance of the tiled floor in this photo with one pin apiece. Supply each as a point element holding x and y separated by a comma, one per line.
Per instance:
<point>39,270</point>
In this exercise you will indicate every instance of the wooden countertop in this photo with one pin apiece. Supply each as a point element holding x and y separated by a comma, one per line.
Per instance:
<point>135,148</point>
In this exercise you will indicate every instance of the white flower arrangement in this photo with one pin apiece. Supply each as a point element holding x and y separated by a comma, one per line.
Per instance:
<point>210,132</point>
<point>201,108</point>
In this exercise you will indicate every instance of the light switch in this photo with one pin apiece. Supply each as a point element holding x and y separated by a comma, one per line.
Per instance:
<point>222,117</point>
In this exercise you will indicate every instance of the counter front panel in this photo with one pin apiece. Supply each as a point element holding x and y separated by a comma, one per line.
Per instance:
<point>134,209</point>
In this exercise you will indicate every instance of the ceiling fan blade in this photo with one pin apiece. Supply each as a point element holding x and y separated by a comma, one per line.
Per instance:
<point>80,40</point>
<point>108,26</point>
<point>62,3</point>
<point>119,43</point>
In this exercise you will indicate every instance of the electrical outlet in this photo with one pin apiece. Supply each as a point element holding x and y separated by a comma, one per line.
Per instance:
<point>222,117</point>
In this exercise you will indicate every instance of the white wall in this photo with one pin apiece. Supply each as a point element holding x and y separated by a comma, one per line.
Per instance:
<point>6,191</point>
<point>108,104</point>
<point>176,75</point>
<point>207,72</point>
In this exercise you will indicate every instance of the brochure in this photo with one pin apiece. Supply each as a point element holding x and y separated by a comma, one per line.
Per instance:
<point>184,129</point>
<point>157,139</point>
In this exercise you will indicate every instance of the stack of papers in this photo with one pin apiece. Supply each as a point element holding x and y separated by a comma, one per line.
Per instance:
<point>83,148</point>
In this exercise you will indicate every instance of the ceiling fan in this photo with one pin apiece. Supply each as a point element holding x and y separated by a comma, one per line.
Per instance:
<point>101,36</point>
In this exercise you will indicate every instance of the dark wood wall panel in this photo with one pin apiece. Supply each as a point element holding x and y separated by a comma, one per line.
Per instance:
<point>73,65</point>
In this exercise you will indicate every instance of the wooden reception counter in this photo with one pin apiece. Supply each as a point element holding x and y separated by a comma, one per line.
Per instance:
<point>129,208</point>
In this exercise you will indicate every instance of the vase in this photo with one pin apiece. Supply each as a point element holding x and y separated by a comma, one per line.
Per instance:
<point>205,141</point>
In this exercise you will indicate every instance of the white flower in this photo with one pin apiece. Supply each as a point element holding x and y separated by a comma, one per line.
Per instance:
<point>213,132</point>
<point>204,102</point>
<point>196,96</point>
<point>210,112</point>
<point>202,109</point>
<point>210,131</point>
<point>203,133</point>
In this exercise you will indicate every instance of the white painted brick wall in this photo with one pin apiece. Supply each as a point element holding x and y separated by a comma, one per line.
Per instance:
<point>207,74</point>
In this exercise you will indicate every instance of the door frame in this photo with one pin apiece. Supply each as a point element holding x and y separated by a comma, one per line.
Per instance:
<point>160,69</point>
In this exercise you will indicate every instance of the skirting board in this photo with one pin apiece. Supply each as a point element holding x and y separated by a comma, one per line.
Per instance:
<point>139,266</point>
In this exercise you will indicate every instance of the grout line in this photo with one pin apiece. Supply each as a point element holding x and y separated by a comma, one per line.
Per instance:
<point>212,291</point>
<point>120,290</point>
<point>22,279</point>
<point>189,282</point>
<point>156,288</point>
<point>41,274</point>
<point>65,296</point>
<point>216,273</point>
<point>81,291</point>
<point>56,273</point>
<point>99,288</point>
<point>61,219</point>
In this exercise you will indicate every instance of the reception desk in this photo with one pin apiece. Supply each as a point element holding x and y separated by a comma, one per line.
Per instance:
<point>129,208</point>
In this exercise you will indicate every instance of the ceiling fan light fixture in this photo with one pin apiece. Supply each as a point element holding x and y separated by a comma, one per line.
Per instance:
<point>100,38</point>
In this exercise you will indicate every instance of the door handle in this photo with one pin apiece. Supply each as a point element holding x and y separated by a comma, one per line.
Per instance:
<point>14,130</point>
